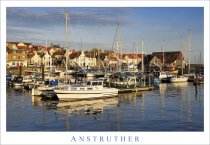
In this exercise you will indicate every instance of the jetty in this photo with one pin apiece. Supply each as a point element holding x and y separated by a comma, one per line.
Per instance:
<point>135,89</point>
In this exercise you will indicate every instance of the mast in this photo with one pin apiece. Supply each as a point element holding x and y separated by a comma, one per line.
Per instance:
<point>116,44</point>
<point>46,43</point>
<point>189,45</point>
<point>121,56</point>
<point>133,54</point>
<point>163,45</point>
<point>182,55</point>
<point>66,14</point>
<point>142,56</point>
<point>81,45</point>
<point>126,52</point>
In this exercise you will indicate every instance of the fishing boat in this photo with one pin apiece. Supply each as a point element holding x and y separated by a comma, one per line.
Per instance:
<point>92,89</point>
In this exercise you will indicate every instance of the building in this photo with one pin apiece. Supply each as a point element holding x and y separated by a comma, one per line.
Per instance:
<point>168,60</point>
<point>36,60</point>
<point>16,58</point>
<point>47,60</point>
<point>79,59</point>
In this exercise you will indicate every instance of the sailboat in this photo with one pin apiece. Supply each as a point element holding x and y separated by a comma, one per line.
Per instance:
<point>181,78</point>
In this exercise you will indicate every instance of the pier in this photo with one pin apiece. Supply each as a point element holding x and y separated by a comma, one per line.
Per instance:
<point>130,90</point>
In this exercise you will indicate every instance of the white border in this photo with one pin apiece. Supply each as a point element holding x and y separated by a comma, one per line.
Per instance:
<point>65,137</point>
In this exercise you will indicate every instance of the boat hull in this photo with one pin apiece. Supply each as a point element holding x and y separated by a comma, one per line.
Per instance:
<point>178,80</point>
<point>69,94</point>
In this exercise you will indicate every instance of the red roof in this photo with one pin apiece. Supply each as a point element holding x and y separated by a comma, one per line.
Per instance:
<point>169,57</point>
<point>74,55</point>
<point>133,56</point>
<point>23,47</point>
<point>59,52</point>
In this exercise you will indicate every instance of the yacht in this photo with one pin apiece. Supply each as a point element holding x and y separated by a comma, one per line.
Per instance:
<point>178,79</point>
<point>92,89</point>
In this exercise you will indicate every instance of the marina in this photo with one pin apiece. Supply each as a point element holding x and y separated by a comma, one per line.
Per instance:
<point>171,107</point>
<point>105,87</point>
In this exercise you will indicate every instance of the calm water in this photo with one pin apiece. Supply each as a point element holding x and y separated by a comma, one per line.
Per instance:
<point>172,107</point>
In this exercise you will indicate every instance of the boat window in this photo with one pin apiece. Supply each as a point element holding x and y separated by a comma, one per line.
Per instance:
<point>89,88</point>
<point>88,83</point>
<point>94,83</point>
<point>99,83</point>
<point>132,80</point>
<point>73,88</point>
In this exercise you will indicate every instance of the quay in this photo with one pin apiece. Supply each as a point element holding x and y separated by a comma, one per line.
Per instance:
<point>136,89</point>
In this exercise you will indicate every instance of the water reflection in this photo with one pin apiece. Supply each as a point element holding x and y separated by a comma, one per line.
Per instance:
<point>74,107</point>
<point>172,107</point>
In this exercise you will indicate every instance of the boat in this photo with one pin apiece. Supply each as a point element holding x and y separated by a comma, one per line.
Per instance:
<point>198,80</point>
<point>17,81</point>
<point>8,78</point>
<point>39,90</point>
<point>179,79</point>
<point>164,77</point>
<point>92,89</point>
<point>174,72</point>
<point>131,81</point>
<point>49,85</point>
<point>28,81</point>
<point>90,74</point>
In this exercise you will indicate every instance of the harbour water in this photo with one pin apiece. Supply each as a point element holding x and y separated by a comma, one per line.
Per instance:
<point>170,107</point>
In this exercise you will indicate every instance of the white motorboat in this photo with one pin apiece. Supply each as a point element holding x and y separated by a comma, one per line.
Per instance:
<point>178,79</point>
<point>92,89</point>
<point>164,77</point>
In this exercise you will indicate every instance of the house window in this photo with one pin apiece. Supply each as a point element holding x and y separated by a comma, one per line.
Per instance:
<point>18,57</point>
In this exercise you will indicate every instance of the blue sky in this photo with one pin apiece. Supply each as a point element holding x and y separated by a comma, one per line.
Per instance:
<point>89,25</point>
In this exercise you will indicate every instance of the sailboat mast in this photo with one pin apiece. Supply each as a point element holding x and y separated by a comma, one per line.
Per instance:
<point>142,56</point>
<point>189,45</point>
<point>81,45</point>
<point>66,14</point>
<point>163,45</point>
<point>182,55</point>
<point>46,44</point>
<point>133,54</point>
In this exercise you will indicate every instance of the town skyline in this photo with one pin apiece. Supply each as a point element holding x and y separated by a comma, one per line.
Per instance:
<point>96,27</point>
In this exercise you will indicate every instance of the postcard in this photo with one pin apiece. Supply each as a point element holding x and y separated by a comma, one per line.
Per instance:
<point>104,72</point>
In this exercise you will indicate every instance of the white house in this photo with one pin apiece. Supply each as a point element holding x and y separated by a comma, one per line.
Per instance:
<point>47,60</point>
<point>79,58</point>
<point>36,60</point>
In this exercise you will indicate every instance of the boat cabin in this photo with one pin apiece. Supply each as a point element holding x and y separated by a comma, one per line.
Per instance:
<point>94,83</point>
